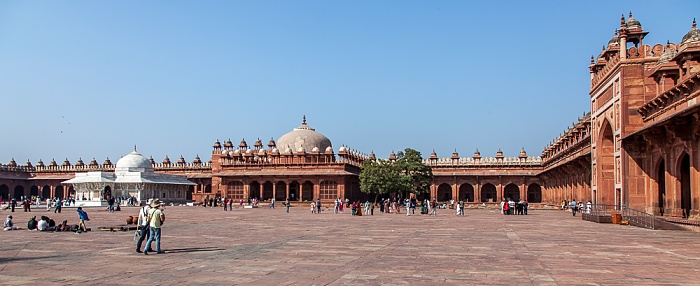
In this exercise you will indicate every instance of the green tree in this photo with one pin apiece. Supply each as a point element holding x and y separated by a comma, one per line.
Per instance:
<point>407,174</point>
<point>416,176</point>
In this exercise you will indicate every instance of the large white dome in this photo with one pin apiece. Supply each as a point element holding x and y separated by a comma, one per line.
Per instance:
<point>134,161</point>
<point>304,137</point>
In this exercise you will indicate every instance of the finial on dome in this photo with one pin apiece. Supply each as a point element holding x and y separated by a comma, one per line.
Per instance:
<point>694,25</point>
<point>592,60</point>
<point>134,147</point>
<point>631,14</point>
<point>303,120</point>
<point>622,20</point>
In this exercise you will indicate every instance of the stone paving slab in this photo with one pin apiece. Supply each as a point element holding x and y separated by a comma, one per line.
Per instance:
<point>269,247</point>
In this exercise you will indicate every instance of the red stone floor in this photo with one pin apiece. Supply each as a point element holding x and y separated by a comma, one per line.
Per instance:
<point>269,247</point>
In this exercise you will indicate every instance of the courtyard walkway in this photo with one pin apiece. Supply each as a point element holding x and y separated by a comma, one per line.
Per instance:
<point>269,247</point>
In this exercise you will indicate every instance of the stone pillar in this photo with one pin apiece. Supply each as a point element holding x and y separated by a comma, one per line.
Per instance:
<point>286,190</point>
<point>499,192</point>
<point>274,190</point>
<point>455,192</point>
<point>246,191</point>
<point>477,192</point>
<point>623,47</point>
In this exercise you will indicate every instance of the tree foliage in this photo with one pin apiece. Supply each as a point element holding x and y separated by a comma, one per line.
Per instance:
<point>406,174</point>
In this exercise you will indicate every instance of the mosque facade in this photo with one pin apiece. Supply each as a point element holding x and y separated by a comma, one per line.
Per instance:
<point>638,145</point>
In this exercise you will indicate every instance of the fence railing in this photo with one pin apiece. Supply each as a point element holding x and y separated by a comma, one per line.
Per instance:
<point>603,213</point>
<point>638,218</point>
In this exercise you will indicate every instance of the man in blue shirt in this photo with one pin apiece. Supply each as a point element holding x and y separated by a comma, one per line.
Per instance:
<point>83,217</point>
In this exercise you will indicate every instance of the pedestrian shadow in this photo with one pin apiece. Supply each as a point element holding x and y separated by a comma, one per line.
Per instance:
<point>15,259</point>
<point>194,249</point>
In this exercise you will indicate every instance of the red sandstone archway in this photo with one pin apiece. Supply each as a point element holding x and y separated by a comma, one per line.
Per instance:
<point>5,193</point>
<point>534,193</point>
<point>511,191</point>
<point>294,191</point>
<point>466,193</point>
<point>444,192</point>
<point>46,192</point>
<point>34,191</point>
<point>605,161</point>
<point>307,191</point>
<point>684,180</point>
<point>254,190</point>
<point>267,190</point>
<point>488,193</point>
<point>281,191</point>
<point>661,186</point>
<point>19,192</point>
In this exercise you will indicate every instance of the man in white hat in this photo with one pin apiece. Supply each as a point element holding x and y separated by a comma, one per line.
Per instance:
<point>155,219</point>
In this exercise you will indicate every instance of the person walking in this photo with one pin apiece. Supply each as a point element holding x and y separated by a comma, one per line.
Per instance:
<point>272,203</point>
<point>286,204</point>
<point>58,206</point>
<point>83,217</point>
<point>144,232</point>
<point>573,207</point>
<point>156,219</point>
<point>433,207</point>
<point>318,206</point>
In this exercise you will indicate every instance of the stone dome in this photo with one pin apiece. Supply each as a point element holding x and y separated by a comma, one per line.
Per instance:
<point>693,36</point>
<point>615,41</point>
<point>632,23</point>
<point>304,137</point>
<point>134,160</point>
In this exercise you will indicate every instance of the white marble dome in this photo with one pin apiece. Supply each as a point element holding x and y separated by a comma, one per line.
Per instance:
<point>134,161</point>
<point>304,137</point>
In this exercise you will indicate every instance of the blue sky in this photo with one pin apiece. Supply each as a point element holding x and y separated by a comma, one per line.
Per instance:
<point>92,78</point>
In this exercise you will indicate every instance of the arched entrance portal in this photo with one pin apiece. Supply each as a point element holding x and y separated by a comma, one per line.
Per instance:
<point>466,193</point>
<point>281,191</point>
<point>488,193</point>
<point>307,191</point>
<point>46,192</point>
<point>534,193</point>
<point>267,190</point>
<point>661,186</point>
<point>511,192</point>
<point>294,191</point>
<point>444,192</point>
<point>254,190</point>
<point>19,192</point>
<point>4,193</point>
<point>685,185</point>
<point>605,161</point>
<point>34,191</point>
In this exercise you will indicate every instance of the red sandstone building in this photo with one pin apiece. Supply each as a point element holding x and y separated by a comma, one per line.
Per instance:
<point>638,146</point>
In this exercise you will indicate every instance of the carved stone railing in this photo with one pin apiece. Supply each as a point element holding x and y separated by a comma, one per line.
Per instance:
<point>682,92</point>
<point>486,162</point>
<point>605,71</point>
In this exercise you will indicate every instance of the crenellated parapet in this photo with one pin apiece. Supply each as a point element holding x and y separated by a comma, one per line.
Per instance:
<point>571,142</point>
<point>499,161</point>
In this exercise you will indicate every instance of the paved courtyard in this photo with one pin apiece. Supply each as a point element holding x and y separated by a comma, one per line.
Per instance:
<point>269,247</point>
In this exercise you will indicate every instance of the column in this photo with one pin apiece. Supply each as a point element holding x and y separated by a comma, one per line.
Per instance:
<point>274,190</point>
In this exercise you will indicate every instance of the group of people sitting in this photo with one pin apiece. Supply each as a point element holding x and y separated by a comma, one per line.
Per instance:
<point>48,224</point>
